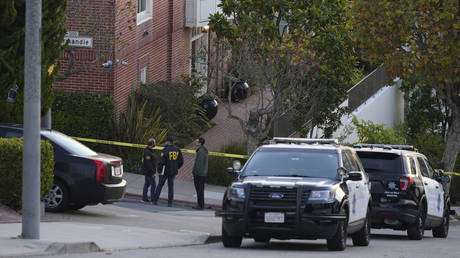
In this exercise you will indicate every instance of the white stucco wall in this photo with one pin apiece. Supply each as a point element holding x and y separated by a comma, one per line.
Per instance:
<point>384,107</point>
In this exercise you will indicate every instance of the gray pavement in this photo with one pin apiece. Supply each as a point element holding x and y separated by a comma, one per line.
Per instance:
<point>77,237</point>
<point>63,237</point>
<point>184,191</point>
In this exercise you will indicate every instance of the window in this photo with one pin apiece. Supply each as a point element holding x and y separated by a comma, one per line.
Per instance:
<point>144,11</point>
<point>413,169</point>
<point>199,51</point>
<point>385,163</point>
<point>143,75</point>
<point>287,162</point>
<point>346,162</point>
<point>423,168</point>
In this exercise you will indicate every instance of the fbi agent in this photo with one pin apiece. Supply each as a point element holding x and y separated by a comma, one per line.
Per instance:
<point>170,161</point>
<point>148,169</point>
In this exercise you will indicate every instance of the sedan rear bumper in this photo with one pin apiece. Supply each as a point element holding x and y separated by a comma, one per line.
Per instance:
<point>113,192</point>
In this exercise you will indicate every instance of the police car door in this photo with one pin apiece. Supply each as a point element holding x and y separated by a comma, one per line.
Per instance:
<point>435,200</point>
<point>439,191</point>
<point>364,194</point>
<point>353,191</point>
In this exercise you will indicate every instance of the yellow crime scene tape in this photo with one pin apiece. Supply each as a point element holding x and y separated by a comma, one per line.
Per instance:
<point>141,146</point>
<point>452,173</point>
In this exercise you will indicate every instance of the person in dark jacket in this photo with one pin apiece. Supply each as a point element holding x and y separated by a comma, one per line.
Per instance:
<point>149,170</point>
<point>171,160</point>
<point>200,170</point>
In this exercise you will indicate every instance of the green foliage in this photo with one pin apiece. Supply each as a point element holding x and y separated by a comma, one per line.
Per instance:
<point>300,51</point>
<point>11,170</point>
<point>217,166</point>
<point>368,132</point>
<point>135,126</point>
<point>417,41</point>
<point>84,115</point>
<point>180,112</point>
<point>426,113</point>
<point>12,28</point>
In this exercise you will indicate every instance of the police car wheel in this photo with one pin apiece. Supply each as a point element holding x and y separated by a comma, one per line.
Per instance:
<point>339,241</point>
<point>416,230</point>
<point>230,241</point>
<point>443,230</point>
<point>361,238</point>
<point>56,200</point>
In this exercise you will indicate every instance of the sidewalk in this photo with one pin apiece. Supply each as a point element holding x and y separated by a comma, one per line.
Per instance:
<point>64,238</point>
<point>184,191</point>
<point>67,237</point>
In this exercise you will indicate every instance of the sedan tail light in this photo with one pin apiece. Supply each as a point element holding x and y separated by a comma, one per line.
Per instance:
<point>101,174</point>
<point>405,183</point>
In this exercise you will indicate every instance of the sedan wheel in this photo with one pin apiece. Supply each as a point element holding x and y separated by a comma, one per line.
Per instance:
<point>57,199</point>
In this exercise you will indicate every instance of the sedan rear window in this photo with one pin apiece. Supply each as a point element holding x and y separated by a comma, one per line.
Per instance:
<point>388,163</point>
<point>69,144</point>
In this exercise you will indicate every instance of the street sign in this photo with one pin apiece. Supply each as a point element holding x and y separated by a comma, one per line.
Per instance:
<point>76,41</point>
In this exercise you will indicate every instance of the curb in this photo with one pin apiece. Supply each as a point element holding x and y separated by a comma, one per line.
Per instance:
<point>176,200</point>
<point>73,248</point>
<point>213,239</point>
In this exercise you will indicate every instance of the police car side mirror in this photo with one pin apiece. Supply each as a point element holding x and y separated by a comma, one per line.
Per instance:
<point>445,179</point>
<point>232,172</point>
<point>355,176</point>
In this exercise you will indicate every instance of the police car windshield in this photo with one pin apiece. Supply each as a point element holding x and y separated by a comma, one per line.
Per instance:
<point>288,162</point>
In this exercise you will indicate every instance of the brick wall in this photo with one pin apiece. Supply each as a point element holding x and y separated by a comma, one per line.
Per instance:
<point>90,18</point>
<point>144,45</point>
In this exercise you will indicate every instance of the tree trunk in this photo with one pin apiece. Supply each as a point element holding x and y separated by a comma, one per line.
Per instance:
<point>252,144</point>
<point>453,140</point>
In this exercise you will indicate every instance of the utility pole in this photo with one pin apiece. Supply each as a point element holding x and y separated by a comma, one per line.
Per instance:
<point>31,151</point>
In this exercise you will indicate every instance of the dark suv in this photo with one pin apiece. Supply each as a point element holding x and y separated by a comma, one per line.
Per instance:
<point>407,194</point>
<point>81,176</point>
<point>298,188</point>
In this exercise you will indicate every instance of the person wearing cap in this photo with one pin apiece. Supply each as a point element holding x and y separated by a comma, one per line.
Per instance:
<point>149,170</point>
<point>200,169</point>
<point>171,160</point>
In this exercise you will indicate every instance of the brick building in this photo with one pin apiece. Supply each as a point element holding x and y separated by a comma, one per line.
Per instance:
<point>117,44</point>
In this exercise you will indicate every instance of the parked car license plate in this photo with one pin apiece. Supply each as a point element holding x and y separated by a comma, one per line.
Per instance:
<point>117,171</point>
<point>274,217</point>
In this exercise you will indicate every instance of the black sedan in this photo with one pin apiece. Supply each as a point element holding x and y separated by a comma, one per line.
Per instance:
<point>81,176</point>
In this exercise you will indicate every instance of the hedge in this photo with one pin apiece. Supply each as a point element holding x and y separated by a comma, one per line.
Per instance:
<point>11,170</point>
<point>86,115</point>
<point>217,166</point>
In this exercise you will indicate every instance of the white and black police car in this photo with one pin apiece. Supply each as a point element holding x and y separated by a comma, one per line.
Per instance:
<point>407,194</point>
<point>296,188</point>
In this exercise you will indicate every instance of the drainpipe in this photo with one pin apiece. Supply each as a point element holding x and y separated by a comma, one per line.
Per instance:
<point>169,40</point>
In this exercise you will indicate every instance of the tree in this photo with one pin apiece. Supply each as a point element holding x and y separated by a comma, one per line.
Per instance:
<point>12,28</point>
<point>287,51</point>
<point>418,41</point>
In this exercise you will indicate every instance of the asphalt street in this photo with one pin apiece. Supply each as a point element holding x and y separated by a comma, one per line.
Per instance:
<point>131,212</point>
<point>384,243</point>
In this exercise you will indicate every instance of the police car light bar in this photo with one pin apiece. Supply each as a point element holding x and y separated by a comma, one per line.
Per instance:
<point>387,147</point>
<point>303,140</point>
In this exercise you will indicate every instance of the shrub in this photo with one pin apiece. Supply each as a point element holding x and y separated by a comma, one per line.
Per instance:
<point>217,166</point>
<point>84,115</point>
<point>181,113</point>
<point>135,127</point>
<point>368,132</point>
<point>11,170</point>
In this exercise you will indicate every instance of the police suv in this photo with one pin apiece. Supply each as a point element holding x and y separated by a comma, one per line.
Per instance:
<point>407,194</point>
<point>297,188</point>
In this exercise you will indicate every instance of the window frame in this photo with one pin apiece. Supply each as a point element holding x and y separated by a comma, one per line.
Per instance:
<point>146,14</point>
